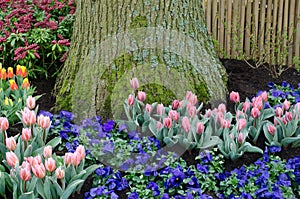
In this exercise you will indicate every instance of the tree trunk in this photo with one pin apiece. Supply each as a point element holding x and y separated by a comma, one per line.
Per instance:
<point>164,43</point>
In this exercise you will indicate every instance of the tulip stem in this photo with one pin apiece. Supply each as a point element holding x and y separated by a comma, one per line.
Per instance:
<point>24,190</point>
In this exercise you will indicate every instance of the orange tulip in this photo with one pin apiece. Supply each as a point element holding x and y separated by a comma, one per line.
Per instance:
<point>21,71</point>
<point>25,83</point>
<point>10,72</point>
<point>3,73</point>
<point>13,85</point>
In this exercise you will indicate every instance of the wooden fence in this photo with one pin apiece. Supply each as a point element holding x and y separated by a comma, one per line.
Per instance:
<point>263,30</point>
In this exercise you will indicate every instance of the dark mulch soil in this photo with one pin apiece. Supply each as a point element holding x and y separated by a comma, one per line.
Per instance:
<point>242,78</point>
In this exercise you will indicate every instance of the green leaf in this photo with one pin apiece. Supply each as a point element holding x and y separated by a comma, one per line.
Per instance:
<point>71,188</point>
<point>27,195</point>
<point>40,188</point>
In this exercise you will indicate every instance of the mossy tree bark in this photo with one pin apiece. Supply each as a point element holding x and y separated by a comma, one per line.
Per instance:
<point>117,38</point>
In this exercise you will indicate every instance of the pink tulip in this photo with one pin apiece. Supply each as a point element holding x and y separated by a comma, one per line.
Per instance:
<point>286,105</point>
<point>76,158</point>
<point>255,112</point>
<point>134,83</point>
<point>81,151</point>
<point>39,170</point>
<point>278,111</point>
<point>175,104</point>
<point>4,123</point>
<point>246,106</point>
<point>159,125</point>
<point>226,124</point>
<point>28,117</point>
<point>234,97</point>
<point>25,173</point>
<point>232,136</point>
<point>192,111</point>
<point>44,121</point>
<point>271,129</point>
<point>30,102</point>
<point>191,97</point>
<point>141,96</point>
<point>200,128</point>
<point>26,134</point>
<point>148,108</point>
<point>60,174</point>
<point>185,123</point>
<point>50,164</point>
<point>130,100</point>
<point>288,116</point>
<point>264,96</point>
<point>11,159</point>
<point>220,117</point>
<point>181,103</point>
<point>48,151</point>
<point>11,143</point>
<point>35,160</point>
<point>167,122</point>
<point>240,138</point>
<point>239,114</point>
<point>208,113</point>
<point>242,123</point>
<point>174,115</point>
<point>160,109</point>
<point>222,108</point>
<point>257,102</point>
<point>68,158</point>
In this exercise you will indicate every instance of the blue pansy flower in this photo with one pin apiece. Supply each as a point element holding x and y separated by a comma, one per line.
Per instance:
<point>133,195</point>
<point>108,147</point>
<point>154,188</point>
<point>66,115</point>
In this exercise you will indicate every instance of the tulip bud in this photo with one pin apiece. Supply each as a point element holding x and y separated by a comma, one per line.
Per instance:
<point>4,123</point>
<point>234,97</point>
<point>76,158</point>
<point>242,123</point>
<point>25,173</point>
<point>288,116</point>
<point>286,105</point>
<point>264,96</point>
<point>28,117</point>
<point>185,123</point>
<point>246,106</point>
<point>148,108</point>
<point>257,102</point>
<point>222,108</point>
<point>278,111</point>
<point>167,122</point>
<point>160,109</point>
<point>30,102</point>
<point>11,143</point>
<point>60,174</point>
<point>159,125</point>
<point>192,111</point>
<point>134,83</point>
<point>271,129</point>
<point>226,124</point>
<point>141,96</point>
<point>191,97</point>
<point>81,151</point>
<point>175,104</point>
<point>44,121</point>
<point>200,128</point>
<point>255,112</point>
<point>174,115</point>
<point>130,100</point>
<point>240,138</point>
<point>11,159</point>
<point>50,164</point>
<point>68,158</point>
<point>48,151</point>
<point>26,134</point>
<point>39,170</point>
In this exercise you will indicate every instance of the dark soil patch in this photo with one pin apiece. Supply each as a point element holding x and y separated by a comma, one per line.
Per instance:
<point>242,78</point>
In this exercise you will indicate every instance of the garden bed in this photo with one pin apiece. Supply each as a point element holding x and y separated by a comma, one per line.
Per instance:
<point>242,78</point>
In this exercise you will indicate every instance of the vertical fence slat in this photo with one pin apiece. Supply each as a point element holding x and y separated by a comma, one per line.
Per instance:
<point>235,24</point>
<point>268,30</point>
<point>228,27</point>
<point>274,26</point>
<point>292,25</point>
<point>242,22</point>
<point>248,28</point>
<point>256,26</point>
<point>297,35</point>
<point>208,16</point>
<point>261,33</point>
<point>221,23</point>
<point>215,19</point>
<point>284,46</point>
<point>278,55</point>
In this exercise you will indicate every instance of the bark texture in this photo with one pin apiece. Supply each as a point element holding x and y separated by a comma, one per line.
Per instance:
<point>162,42</point>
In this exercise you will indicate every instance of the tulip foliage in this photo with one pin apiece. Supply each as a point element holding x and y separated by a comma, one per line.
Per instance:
<point>183,123</point>
<point>34,170</point>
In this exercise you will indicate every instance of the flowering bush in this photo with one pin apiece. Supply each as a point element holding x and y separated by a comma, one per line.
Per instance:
<point>14,92</point>
<point>36,33</point>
